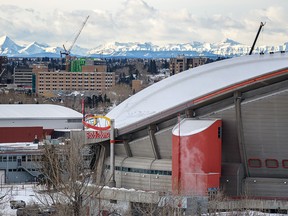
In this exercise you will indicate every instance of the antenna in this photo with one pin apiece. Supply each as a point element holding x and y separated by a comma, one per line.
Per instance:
<point>260,27</point>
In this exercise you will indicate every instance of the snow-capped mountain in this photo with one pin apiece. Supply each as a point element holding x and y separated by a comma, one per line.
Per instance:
<point>33,48</point>
<point>8,47</point>
<point>226,47</point>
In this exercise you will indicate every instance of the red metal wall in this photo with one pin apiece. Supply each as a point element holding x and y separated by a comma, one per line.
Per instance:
<point>20,134</point>
<point>196,161</point>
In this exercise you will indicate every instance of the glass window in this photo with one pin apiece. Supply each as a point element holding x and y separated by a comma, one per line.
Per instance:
<point>271,163</point>
<point>29,157</point>
<point>285,164</point>
<point>254,163</point>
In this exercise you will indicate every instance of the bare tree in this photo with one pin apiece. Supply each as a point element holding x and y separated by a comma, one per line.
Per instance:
<point>119,93</point>
<point>166,205</point>
<point>4,198</point>
<point>66,174</point>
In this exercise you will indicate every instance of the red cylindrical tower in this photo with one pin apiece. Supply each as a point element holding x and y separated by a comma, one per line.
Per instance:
<point>196,156</point>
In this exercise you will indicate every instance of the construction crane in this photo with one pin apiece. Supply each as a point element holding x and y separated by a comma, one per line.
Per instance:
<point>66,52</point>
<point>260,27</point>
<point>3,70</point>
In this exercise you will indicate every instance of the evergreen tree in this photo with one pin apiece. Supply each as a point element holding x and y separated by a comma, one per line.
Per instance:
<point>105,98</point>
<point>100,99</point>
<point>152,67</point>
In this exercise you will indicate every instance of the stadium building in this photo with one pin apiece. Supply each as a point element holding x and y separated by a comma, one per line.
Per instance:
<point>220,126</point>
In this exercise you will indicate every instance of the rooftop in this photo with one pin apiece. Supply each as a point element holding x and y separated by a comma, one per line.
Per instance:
<point>183,88</point>
<point>36,111</point>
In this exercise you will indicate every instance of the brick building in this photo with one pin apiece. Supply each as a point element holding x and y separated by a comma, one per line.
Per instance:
<point>182,63</point>
<point>89,78</point>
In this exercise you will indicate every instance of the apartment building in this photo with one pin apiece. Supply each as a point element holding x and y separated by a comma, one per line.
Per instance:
<point>182,63</point>
<point>23,76</point>
<point>90,78</point>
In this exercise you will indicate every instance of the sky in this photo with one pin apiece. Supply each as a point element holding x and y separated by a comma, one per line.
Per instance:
<point>158,21</point>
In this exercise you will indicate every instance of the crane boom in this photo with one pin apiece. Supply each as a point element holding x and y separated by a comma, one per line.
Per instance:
<point>66,52</point>
<point>260,27</point>
<point>79,32</point>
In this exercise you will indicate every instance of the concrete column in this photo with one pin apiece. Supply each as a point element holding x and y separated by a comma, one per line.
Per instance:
<point>240,131</point>
<point>153,141</point>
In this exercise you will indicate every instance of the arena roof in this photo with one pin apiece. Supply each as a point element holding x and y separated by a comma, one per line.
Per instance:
<point>196,84</point>
<point>37,111</point>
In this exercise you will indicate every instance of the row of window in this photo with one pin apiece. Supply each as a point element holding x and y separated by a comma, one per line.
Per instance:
<point>28,158</point>
<point>268,163</point>
<point>73,81</point>
<point>73,89</point>
<point>100,74</point>
<point>80,84</point>
<point>74,120</point>
<point>142,171</point>
<point>41,90</point>
<point>23,158</point>
<point>10,158</point>
<point>74,78</point>
<point>22,170</point>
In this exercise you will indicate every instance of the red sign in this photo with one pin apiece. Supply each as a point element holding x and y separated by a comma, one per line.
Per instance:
<point>97,134</point>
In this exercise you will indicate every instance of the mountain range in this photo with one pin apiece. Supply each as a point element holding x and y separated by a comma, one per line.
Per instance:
<point>225,48</point>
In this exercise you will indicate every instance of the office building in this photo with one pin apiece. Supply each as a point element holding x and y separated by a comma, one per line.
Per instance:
<point>182,63</point>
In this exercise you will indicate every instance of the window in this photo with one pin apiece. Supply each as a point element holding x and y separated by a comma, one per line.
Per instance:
<point>285,164</point>
<point>29,157</point>
<point>141,171</point>
<point>254,163</point>
<point>271,163</point>
<point>24,158</point>
<point>74,120</point>
<point>219,132</point>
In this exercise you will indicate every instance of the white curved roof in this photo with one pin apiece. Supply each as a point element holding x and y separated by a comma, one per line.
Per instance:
<point>192,84</point>
<point>36,111</point>
<point>190,127</point>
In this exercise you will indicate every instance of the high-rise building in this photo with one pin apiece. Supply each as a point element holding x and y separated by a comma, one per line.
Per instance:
<point>182,63</point>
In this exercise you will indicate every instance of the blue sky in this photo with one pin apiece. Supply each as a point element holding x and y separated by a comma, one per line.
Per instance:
<point>158,21</point>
